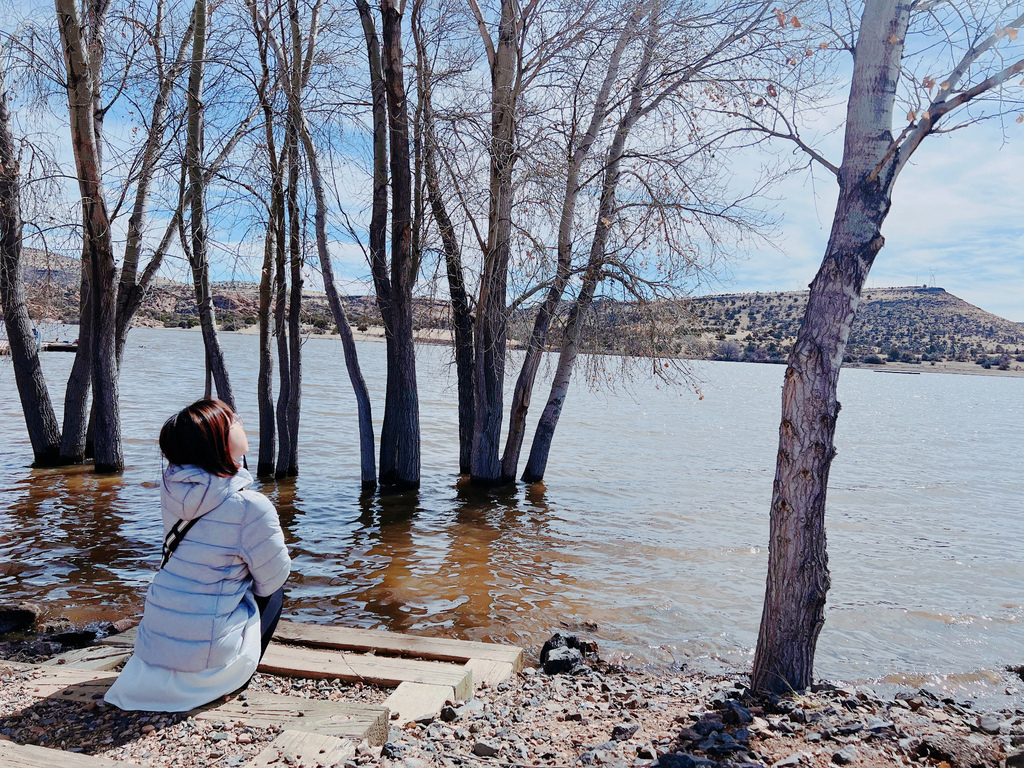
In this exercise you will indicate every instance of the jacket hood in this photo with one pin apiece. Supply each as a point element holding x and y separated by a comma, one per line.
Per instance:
<point>188,492</point>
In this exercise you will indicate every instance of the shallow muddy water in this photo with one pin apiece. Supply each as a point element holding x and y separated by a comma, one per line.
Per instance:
<point>649,535</point>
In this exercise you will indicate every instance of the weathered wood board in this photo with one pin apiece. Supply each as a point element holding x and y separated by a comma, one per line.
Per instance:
<point>378,641</point>
<point>378,670</point>
<point>415,700</point>
<point>102,657</point>
<point>506,659</point>
<point>30,756</point>
<point>299,748</point>
<point>489,673</point>
<point>259,709</point>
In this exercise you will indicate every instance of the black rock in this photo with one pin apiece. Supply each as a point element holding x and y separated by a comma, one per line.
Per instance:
<point>558,640</point>
<point>736,714</point>
<point>706,727</point>
<point>849,728</point>
<point>563,661</point>
<point>844,756</point>
<point>449,714</point>
<point>1015,760</point>
<point>623,732</point>
<point>18,617</point>
<point>483,749</point>
<point>391,751</point>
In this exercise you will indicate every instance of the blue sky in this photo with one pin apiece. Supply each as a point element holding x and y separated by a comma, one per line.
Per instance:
<point>956,221</point>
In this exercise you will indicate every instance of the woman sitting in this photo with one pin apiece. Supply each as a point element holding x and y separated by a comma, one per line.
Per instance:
<point>215,602</point>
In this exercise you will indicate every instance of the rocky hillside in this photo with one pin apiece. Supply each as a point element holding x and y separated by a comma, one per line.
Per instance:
<point>909,325</point>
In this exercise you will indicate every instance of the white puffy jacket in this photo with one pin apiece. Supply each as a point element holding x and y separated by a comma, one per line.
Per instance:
<point>199,603</point>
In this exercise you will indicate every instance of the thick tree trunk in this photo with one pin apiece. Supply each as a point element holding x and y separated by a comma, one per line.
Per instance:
<point>294,300</point>
<point>798,577</point>
<point>40,419</point>
<point>367,454</point>
<point>542,323</point>
<point>400,434</point>
<point>281,332</point>
<point>103,273</point>
<point>265,383</point>
<point>377,233</point>
<point>491,321</point>
<point>197,220</point>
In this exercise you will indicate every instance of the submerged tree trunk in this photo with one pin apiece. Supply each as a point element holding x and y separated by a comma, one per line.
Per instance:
<point>368,462</point>
<point>400,434</point>
<point>197,220</point>
<point>798,576</point>
<point>462,315</point>
<point>103,272</point>
<point>40,419</point>
<point>294,301</point>
<point>542,323</point>
<point>537,463</point>
<point>491,321</point>
<point>79,385</point>
<point>281,332</point>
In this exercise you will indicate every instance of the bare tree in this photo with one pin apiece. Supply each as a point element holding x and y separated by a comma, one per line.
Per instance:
<point>98,251</point>
<point>682,61</point>
<point>460,299</point>
<point>876,149</point>
<point>40,419</point>
<point>504,58</point>
<point>198,248</point>
<point>578,151</point>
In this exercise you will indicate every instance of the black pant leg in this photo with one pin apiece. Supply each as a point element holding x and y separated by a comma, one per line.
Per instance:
<point>270,613</point>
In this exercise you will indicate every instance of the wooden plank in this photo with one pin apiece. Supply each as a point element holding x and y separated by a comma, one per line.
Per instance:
<point>259,709</point>
<point>299,748</point>
<point>378,670</point>
<point>30,756</point>
<point>124,639</point>
<point>489,673</point>
<point>102,657</point>
<point>378,641</point>
<point>413,701</point>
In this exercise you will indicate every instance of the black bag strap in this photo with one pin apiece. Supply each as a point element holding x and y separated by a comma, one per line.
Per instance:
<point>174,537</point>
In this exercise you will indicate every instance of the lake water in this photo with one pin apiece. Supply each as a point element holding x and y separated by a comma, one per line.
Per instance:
<point>650,534</point>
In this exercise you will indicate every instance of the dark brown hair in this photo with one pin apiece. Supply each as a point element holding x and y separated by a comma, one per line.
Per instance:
<point>198,435</point>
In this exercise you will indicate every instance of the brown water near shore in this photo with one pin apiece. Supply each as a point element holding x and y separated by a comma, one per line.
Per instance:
<point>650,534</point>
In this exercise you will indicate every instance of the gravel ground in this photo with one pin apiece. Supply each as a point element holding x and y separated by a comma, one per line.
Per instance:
<point>601,716</point>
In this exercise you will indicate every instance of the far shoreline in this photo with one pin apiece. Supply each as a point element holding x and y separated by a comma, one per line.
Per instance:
<point>444,337</point>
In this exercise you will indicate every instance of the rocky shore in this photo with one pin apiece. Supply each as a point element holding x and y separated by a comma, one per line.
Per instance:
<point>568,711</point>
